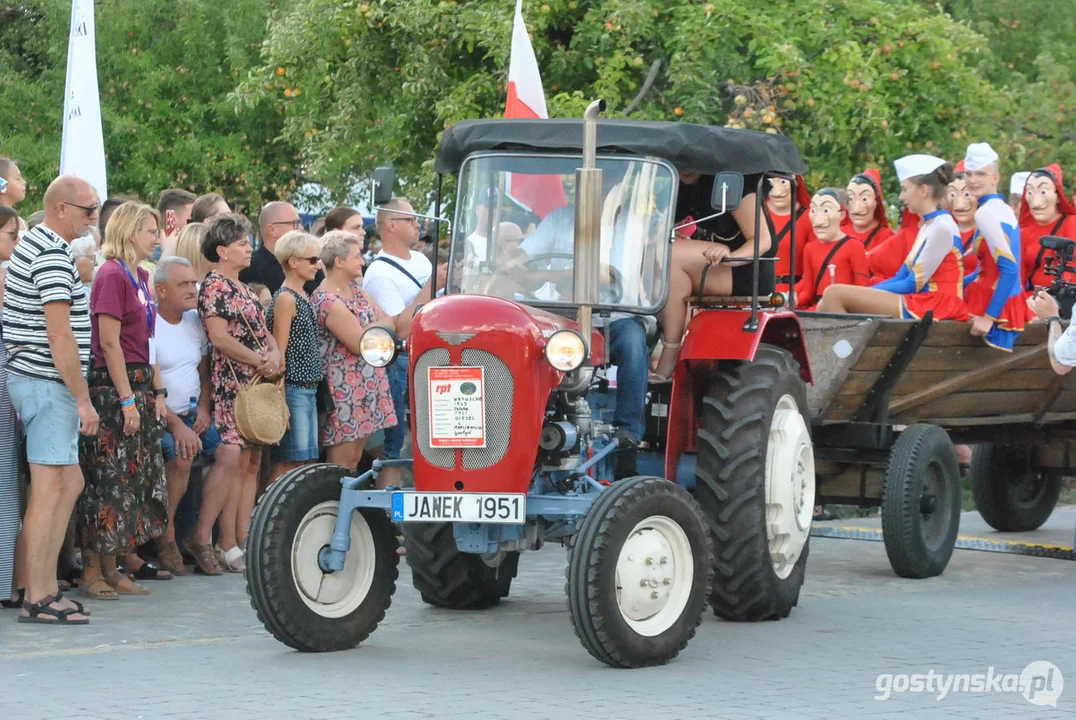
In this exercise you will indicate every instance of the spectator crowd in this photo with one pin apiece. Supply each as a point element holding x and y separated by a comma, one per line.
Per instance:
<point>129,331</point>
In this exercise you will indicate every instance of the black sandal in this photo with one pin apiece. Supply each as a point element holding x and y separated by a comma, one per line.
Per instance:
<point>9,604</point>
<point>150,571</point>
<point>78,606</point>
<point>61,617</point>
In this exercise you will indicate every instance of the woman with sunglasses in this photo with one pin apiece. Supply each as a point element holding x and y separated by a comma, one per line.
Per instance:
<point>293,324</point>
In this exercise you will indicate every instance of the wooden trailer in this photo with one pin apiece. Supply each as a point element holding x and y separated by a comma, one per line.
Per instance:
<point>891,397</point>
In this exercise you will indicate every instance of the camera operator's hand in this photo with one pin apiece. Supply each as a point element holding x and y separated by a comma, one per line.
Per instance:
<point>1043,305</point>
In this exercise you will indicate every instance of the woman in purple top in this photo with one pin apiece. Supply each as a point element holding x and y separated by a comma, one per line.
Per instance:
<point>125,502</point>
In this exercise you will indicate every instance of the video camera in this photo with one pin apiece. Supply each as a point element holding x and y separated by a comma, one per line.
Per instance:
<point>1058,265</point>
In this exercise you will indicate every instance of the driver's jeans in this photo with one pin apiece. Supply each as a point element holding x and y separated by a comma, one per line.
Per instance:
<point>628,351</point>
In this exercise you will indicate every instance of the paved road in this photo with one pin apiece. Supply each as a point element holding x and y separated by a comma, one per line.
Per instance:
<point>194,649</point>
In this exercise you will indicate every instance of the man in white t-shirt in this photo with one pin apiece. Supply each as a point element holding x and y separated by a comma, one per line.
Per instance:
<point>393,279</point>
<point>183,356</point>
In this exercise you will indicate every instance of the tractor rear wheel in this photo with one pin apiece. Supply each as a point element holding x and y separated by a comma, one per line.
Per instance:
<point>639,573</point>
<point>755,482</point>
<point>448,578</point>
<point>302,605</point>
<point>921,502</point>
<point>1010,493</point>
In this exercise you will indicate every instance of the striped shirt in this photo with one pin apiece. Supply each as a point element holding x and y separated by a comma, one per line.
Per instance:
<point>42,270</point>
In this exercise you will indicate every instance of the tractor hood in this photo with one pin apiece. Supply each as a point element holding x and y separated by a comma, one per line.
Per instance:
<point>456,319</point>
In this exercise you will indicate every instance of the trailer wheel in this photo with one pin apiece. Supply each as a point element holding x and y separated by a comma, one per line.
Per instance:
<point>921,502</point>
<point>448,578</point>
<point>303,606</point>
<point>639,573</point>
<point>1010,493</point>
<point>755,482</point>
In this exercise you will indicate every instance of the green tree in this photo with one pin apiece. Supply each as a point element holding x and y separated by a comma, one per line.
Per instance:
<point>363,83</point>
<point>165,71</point>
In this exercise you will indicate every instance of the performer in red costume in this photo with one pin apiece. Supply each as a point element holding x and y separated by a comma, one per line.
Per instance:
<point>779,216</point>
<point>866,210</point>
<point>1045,210</point>
<point>833,257</point>
<point>932,276</point>
<point>961,204</point>
<point>886,258</point>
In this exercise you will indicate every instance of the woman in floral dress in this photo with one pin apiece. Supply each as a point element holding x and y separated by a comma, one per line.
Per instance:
<point>242,348</point>
<point>362,403</point>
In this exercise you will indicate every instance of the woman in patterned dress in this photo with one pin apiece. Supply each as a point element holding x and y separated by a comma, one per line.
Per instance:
<point>10,488</point>
<point>242,348</point>
<point>362,403</point>
<point>124,503</point>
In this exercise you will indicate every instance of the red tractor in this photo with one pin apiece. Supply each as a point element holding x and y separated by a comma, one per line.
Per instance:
<point>512,444</point>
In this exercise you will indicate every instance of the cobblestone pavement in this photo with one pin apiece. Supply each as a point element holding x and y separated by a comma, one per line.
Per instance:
<point>194,649</point>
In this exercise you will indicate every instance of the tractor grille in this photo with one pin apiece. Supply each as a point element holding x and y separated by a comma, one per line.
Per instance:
<point>499,391</point>
<point>441,457</point>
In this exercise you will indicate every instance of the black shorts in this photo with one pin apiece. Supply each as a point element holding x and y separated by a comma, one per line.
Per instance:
<point>742,279</point>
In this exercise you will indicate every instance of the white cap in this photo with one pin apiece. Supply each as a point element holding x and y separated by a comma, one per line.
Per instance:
<point>979,155</point>
<point>915,165</point>
<point>1017,183</point>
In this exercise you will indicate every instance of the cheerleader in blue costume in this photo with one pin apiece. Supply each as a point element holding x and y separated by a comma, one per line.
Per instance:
<point>995,298</point>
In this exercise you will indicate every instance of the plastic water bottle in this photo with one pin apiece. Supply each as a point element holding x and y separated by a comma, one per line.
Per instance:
<point>192,406</point>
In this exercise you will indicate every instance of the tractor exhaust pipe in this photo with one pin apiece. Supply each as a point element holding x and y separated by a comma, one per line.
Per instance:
<point>588,212</point>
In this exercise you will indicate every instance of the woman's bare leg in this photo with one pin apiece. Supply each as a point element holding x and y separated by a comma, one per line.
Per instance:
<point>231,458</point>
<point>855,299</point>
<point>348,455</point>
<point>249,465</point>
<point>685,275</point>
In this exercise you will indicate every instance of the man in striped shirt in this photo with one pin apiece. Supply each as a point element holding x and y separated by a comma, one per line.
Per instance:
<point>46,325</point>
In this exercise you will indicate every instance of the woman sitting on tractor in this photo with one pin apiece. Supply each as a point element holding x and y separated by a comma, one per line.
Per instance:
<point>717,241</point>
<point>932,276</point>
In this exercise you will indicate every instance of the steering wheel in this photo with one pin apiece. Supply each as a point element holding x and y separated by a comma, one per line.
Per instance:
<point>610,293</point>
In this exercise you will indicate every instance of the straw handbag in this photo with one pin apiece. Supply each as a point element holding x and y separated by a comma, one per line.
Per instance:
<point>261,410</point>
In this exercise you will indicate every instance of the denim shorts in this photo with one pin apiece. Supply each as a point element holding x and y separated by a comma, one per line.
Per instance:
<point>300,442</point>
<point>394,436</point>
<point>50,416</point>
<point>210,439</point>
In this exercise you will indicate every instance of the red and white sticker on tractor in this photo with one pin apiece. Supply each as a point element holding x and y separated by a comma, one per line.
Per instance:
<point>457,407</point>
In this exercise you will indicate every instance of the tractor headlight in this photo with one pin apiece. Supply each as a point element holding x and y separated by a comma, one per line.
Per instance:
<point>377,347</point>
<point>565,350</point>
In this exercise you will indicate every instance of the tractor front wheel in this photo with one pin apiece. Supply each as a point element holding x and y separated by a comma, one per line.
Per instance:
<point>448,578</point>
<point>639,573</point>
<point>304,606</point>
<point>755,482</point>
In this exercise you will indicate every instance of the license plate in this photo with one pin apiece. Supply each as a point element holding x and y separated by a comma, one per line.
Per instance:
<point>510,509</point>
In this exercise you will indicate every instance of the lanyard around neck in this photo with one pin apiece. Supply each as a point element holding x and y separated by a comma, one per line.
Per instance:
<point>142,292</point>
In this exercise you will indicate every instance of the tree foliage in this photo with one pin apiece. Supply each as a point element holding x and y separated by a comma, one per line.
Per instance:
<point>252,97</point>
<point>853,83</point>
<point>164,71</point>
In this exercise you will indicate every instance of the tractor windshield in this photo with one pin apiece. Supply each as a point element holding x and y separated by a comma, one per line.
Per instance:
<point>514,232</point>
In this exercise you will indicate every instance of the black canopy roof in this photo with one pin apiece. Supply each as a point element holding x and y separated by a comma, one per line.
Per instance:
<point>694,148</point>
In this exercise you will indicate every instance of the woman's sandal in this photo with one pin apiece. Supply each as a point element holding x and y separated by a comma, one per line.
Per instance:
<point>233,560</point>
<point>170,558</point>
<point>8,604</point>
<point>204,557</point>
<point>657,377</point>
<point>39,610</point>
<point>94,587</point>
<point>123,585</point>
<point>148,570</point>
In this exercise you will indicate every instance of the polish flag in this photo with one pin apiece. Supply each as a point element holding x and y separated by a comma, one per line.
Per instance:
<point>526,99</point>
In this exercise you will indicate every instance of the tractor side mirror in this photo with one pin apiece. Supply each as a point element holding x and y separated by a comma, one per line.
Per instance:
<point>728,191</point>
<point>384,181</point>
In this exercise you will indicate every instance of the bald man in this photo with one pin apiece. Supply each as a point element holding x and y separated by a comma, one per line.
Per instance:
<point>274,221</point>
<point>46,320</point>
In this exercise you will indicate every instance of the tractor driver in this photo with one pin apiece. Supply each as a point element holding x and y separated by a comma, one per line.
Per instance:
<point>628,348</point>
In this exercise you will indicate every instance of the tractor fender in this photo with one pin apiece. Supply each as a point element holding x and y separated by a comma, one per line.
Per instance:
<point>720,335</point>
<point>714,336</point>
